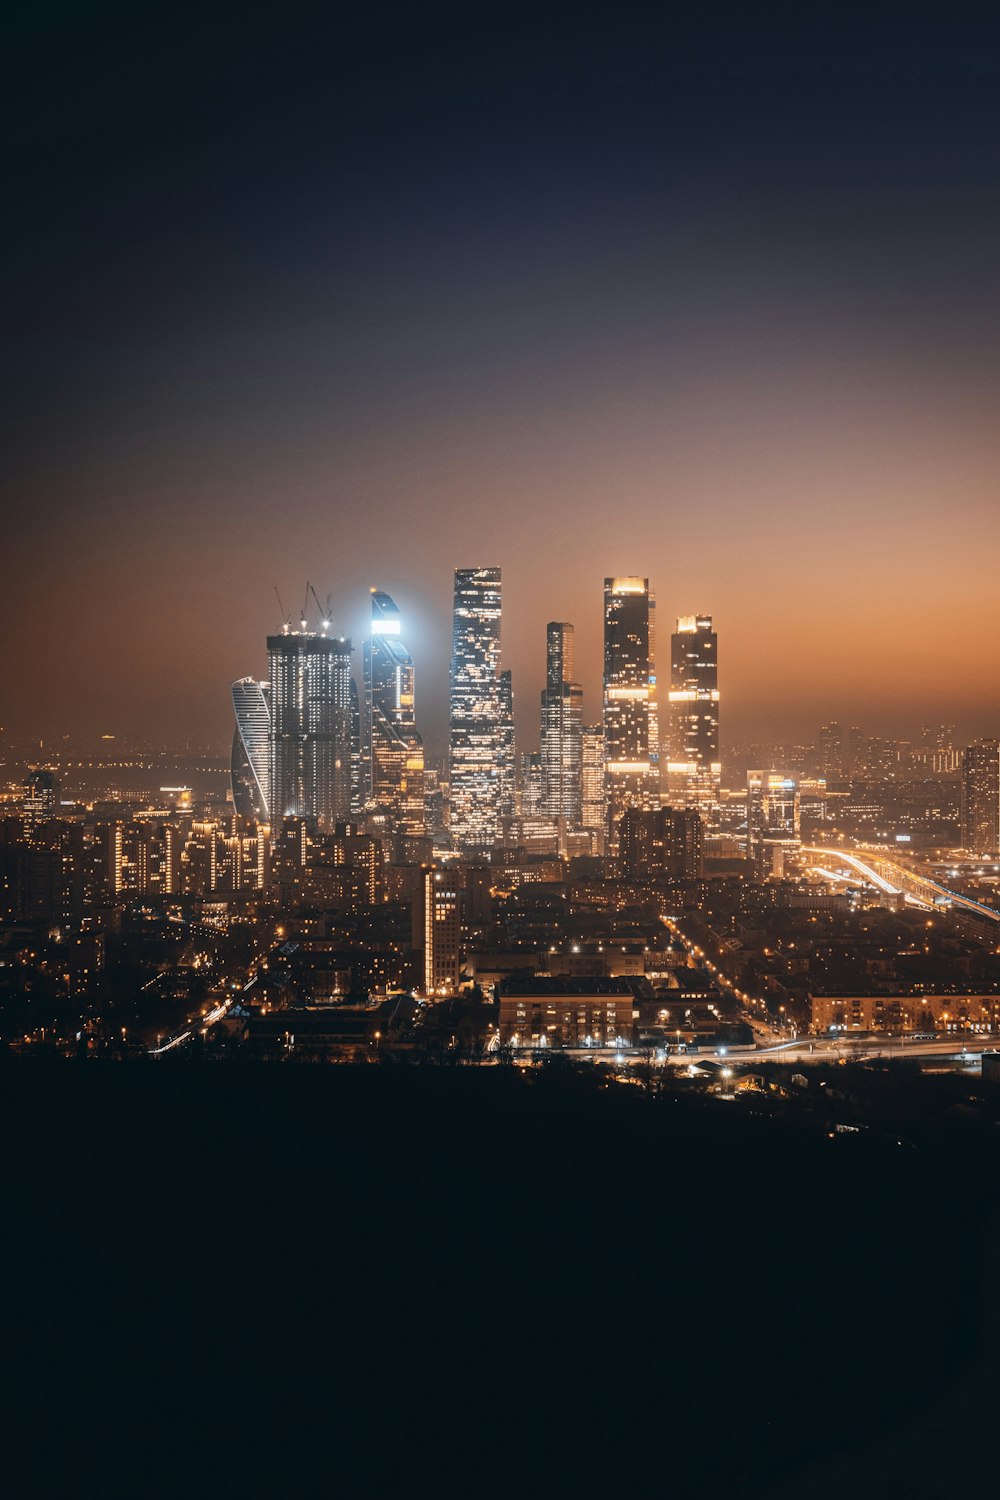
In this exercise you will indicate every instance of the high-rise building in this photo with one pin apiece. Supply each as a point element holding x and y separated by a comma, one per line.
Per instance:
<point>630,738</point>
<point>392,750</point>
<point>592,810</point>
<point>773,821</point>
<point>981,797</point>
<point>831,751</point>
<point>310,726</point>
<point>693,767</point>
<point>476,740</point>
<point>664,841</point>
<point>39,797</point>
<point>357,768</point>
<point>508,747</point>
<point>442,923</point>
<point>250,765</point>
<point>562,727</point>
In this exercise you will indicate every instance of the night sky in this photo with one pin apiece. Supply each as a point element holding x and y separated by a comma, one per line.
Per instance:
<point>364,298</point>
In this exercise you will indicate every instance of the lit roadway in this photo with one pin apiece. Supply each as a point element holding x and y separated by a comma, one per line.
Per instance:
<point>202,1024</point>
<point>893,878</point>
<point>802,1050</point>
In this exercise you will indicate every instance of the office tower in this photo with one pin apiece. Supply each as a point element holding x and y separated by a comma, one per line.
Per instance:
<point>693,767</point>
<point>629,701</point>
<point>310,726</point>
<point>508,746</point>
<point>250,764</point>
<point>661,842</point>
<point>981,797</point>
<point>831,751</point>
<point>592,809</point>
<point>773,829</point>
<point>391,749</point>
<point>442,926</point>
<point>562,727</point>
<point>531,788</point>
<point>357,766</point>
<point>39,797</point>
<point>476,739</point>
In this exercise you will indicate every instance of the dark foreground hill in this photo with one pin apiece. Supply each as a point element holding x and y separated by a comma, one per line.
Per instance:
<point>294,1280</point>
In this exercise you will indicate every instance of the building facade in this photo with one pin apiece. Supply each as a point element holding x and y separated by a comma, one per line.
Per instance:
<point>392,752</point>
<point>981,797</point>
<point>773,821</point>
<point>630,731</point>
<point>592,810</point>
<point>694,770</point>
<point>477,753</point>
<point>310,683</point>
<point>250,764</point>
<point>442,931</point>
<point>562,728</point>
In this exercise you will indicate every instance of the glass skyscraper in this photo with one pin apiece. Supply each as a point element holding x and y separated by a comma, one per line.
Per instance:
<point>476,740</point>
<point>773,821</point>
<point>392,750</point>
<point>693,767</point>
<point>310,726</point>
<point>562,727</point>
<point>592,806</point>
<point>630,731</point>
<point>250,766</point>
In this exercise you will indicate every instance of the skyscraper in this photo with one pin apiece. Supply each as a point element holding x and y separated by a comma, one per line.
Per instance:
<point>693,767</point>
<point>630,738</point>
<point>981,797</point>
<point>508,747</point>
<point>562,727</point>
<point>773,821</point>
<point>392,750</point>
<point>442,923</point>
<point>310,726</point>
<point>592,811</point>
<point>476,746</point>
<point>39,796</point>
<point>250,764</point>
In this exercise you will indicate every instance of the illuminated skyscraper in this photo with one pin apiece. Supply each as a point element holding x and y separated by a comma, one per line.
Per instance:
<point>508,747</point>
<point>773,826</point>
<point>357,768</point>
<point>630,738</point>
<point>310,726</point>
<point>250,765</point>
<point>39,796</point>
<point>981,797</point>
<point>693,768</point>
<point>592,809</point>
<point>562,727</point>
<point>442,922</point>
<point>477,749</point>
<point>392,750</point>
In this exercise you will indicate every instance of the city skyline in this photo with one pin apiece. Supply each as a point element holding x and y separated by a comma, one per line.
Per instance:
<point>429,632</point>
<point>501,718</point>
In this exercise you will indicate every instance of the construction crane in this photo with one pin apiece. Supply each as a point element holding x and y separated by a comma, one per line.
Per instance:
<point>324,614</point>
<point>286,619</point>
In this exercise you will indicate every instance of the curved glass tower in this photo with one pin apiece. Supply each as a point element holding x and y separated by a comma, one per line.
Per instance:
<point>250,767</point>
